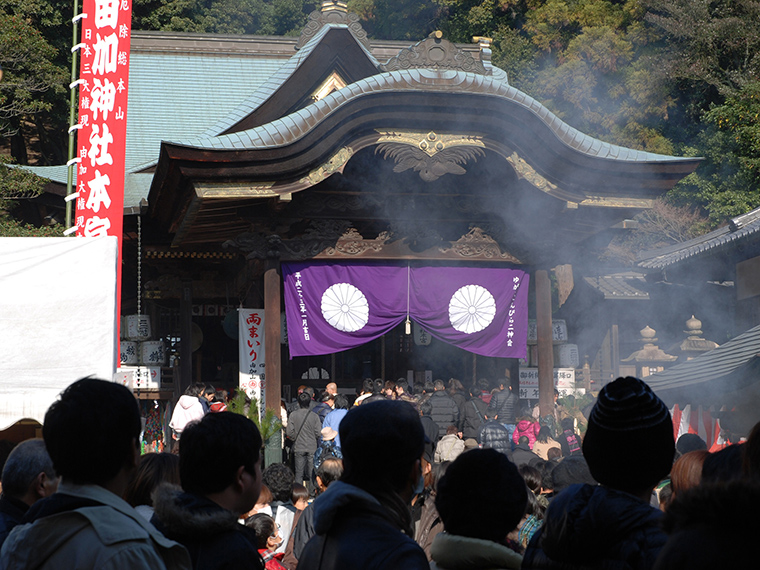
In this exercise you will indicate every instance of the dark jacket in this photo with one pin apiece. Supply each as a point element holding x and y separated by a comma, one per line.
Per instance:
<point>353,530</point>
<point>430,525</point>
<point>503,406</point>
<point>493,435</point>
<point>432,430</point>
<point>570,443</point>
<point>303,530</point>
<point>11,512</point>
<point>445,411</point>
<point>321,409</point>
<point>306,438</point>
<point>522,455</point>
<point>211,534</point>
<point>596,527</point>
<point>474,416</point>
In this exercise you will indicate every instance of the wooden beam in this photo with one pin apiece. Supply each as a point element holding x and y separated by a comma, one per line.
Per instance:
<point>544,341</point>
<point>272,335</point>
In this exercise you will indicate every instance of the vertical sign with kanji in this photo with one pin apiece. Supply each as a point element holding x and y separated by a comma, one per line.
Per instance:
<point>251,354</point>
<point>104,76</point>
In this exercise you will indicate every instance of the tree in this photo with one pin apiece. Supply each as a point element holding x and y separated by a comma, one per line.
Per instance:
<point>663,225</point>
<point>33,86</point>
<point>15,185</point>
<point>264,17</point>
<point>409,20</point>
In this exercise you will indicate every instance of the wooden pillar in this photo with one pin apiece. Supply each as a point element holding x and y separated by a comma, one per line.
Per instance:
<point>615,351</point>
<point>272,334</point>
<point>186,336</point>
<point>544,341</point>
<point>382,357</point>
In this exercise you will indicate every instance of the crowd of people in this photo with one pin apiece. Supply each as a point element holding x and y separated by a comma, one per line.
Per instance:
<point>426,477</point>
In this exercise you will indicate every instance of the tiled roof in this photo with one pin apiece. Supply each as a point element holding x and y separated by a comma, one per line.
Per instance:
<point>274,82</point>
<point>619,286</point>
<point>710,243</point>
<point>176,95</point>
<point>296,125</point>
<point>710,366</point>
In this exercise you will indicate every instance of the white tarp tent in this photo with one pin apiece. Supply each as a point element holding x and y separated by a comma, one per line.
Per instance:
<point>57,319</point>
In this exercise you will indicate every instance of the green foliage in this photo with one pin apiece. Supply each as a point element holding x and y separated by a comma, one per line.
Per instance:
<point>30,77</point>
<point>17,184</point>
<point>264,17</point>
<point>268,425</point>
<point>409,20</point>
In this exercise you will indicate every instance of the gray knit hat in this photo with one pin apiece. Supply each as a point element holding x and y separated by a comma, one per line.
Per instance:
<point>629,443</point>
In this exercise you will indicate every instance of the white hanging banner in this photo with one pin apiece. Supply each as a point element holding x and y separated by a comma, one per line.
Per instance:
<point>251,354</point>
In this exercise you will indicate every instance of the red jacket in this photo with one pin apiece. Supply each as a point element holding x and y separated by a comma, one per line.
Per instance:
<point>272,560</point>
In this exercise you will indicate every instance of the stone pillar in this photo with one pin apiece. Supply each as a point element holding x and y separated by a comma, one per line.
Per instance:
<point>544,341</point>
<point>272,335</point>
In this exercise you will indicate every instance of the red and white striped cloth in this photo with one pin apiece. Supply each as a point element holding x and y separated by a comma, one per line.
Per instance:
<point>700,422</point>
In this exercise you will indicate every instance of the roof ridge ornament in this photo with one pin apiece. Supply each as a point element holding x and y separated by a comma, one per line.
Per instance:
<point>332,12</point>
<point>434,52</point>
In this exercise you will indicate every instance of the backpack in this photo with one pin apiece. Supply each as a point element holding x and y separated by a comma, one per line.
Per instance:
<point>572,442</point>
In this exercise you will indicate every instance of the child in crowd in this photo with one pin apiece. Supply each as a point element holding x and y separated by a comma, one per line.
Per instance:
<point>300,496</point>
<point>268,538</point>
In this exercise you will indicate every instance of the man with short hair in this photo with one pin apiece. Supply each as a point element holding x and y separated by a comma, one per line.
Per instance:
<point>445,411</point>
<point>522,454</point>
<point>364,520</point>
<point>28,476</point>
<point>402,392</point>
<point>629,448</point>
<point>329,471</point>
<point>332,388</point>
<point>92,435</point>
<point>368,388</point>
<point>220,471</point>
<point>480,499</point>
<point>305,431</point>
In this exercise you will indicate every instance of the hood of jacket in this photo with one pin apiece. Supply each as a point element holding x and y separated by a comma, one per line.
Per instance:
<point>525,426</point>
<point>188,515</point>
<point>341,497</point>
<point>452,552</point>
<point>585,524</point>
<point>188,402</point>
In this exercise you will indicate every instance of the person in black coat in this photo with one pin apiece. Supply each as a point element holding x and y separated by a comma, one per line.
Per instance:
<point>445,411</point>
<point>474,414</point>
<point>504,405</point>
<point>364,520</point>
<point>629,448</point>
<point>220,471</point>
<point>28,476</point>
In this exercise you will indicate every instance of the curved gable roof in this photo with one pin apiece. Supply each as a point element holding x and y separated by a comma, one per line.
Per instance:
<point>435,100</point>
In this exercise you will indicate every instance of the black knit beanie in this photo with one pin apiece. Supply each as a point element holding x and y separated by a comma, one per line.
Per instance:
<point>629,443</point>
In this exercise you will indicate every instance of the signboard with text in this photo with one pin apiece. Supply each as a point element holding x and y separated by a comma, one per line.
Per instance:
<point>564,381</point>
<point>251,354</point>
<point>101,138</point>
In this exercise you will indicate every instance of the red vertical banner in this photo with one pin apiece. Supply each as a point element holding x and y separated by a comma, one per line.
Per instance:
<point>101,139</point>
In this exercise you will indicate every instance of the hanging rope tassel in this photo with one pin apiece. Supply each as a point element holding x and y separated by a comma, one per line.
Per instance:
<point>408,324</point>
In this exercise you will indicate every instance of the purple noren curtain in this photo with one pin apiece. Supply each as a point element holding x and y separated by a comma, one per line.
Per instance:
<point>333,307</point>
